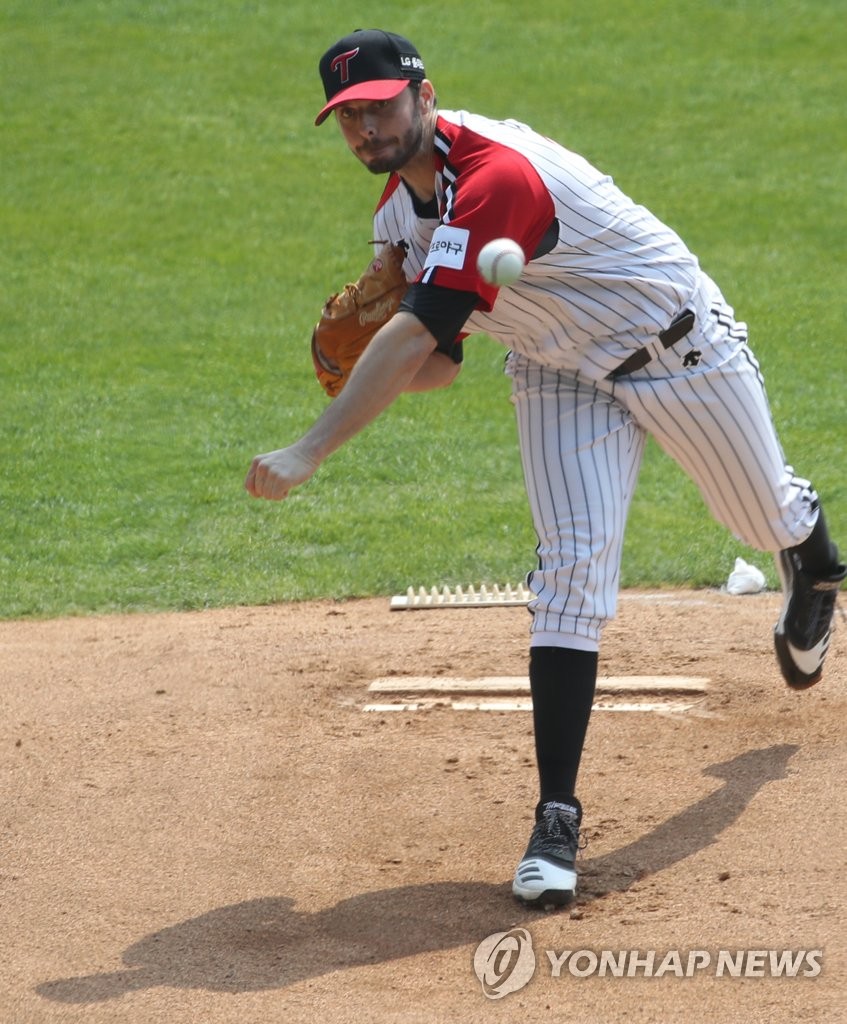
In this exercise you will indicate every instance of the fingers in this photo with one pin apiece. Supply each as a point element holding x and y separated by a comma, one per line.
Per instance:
<point>261,482</point>
<point>274,474</point>
<point>250,482</point>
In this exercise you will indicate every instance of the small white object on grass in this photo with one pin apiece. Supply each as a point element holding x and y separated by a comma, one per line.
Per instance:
<point>745,579</point>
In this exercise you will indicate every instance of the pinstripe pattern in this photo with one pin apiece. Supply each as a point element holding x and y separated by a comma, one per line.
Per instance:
<point>395,219</point>
<point>715,421</point>
<point>582,443</point>
<point>617,276</point>
<point>581,452</point>
<point>615,279</point>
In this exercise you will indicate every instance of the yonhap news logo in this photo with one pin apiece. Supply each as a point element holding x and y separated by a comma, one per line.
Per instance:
<point>505,962</point>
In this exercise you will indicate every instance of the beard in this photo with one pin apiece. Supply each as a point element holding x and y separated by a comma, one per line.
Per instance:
<point>393,154</point>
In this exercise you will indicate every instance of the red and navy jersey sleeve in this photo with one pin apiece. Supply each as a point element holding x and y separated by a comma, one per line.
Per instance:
<point>487,190</point>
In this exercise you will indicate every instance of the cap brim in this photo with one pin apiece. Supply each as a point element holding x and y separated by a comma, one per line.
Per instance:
<point>381,89</point>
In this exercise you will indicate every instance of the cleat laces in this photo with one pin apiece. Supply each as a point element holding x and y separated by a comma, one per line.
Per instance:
<point>556,833</point>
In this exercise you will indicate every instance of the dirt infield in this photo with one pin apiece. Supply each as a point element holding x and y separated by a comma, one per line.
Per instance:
<point>200,822</point>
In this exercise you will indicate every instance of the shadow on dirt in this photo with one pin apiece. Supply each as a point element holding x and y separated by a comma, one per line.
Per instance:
<point>267,944</point>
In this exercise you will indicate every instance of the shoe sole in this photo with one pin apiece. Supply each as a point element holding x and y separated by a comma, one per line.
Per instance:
<point>548,898</point>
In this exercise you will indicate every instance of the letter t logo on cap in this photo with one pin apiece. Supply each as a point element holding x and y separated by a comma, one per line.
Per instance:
<point>342,63</point>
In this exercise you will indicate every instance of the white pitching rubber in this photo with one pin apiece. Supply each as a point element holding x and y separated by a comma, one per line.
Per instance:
<point>460,597</point>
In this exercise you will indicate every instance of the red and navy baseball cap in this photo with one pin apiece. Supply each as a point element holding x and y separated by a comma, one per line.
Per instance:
<point>368,65</point>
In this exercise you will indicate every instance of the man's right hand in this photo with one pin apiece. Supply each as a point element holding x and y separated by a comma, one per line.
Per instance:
<point>274,474</point>
<point>387,366</point>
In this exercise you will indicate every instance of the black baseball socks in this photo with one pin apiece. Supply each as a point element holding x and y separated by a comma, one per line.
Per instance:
<point>562,682</point>
<point>818,554</point>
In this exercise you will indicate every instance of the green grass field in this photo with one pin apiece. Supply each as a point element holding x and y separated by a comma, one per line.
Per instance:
<point>172,222</point>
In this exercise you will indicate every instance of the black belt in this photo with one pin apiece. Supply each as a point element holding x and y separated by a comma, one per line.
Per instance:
<point>670,336</point>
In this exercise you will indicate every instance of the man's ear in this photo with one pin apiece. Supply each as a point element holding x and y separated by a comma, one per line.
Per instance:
<point>427,96</point>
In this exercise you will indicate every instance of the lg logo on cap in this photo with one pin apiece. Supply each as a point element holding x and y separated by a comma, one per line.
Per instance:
<point>415,63</point>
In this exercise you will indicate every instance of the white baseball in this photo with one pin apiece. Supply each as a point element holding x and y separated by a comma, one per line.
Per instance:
<point>501,261</point>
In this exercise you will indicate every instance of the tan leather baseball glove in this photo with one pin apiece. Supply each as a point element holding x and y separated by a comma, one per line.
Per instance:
<point>351,317</point>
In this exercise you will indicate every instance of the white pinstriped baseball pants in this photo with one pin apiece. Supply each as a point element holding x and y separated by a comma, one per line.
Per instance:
<point>582,444</point>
